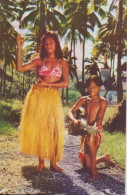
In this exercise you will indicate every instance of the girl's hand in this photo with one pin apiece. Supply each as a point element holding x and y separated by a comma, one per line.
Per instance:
<point>42,84</point>
<point>20,41</point>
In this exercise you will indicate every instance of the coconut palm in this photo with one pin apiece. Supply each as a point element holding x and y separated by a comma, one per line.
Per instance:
<point>41,16</point>
<point>72,66</point>
<point>92,68</point>
<point>119,40</point>
<point>8,12</point>
<point>112,36</point>
<point>105,43</point>
<point>80,23</point>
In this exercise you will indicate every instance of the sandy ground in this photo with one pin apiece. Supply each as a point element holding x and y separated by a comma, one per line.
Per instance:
<point>19,174</point>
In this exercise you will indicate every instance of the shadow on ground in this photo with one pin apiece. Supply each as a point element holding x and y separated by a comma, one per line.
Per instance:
<point>50,182</point>
<point>106,184</point>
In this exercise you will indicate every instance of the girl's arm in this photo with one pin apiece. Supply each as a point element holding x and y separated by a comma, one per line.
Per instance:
<point>78,104</point>
<point>27,66</point>
<point>64,82</point>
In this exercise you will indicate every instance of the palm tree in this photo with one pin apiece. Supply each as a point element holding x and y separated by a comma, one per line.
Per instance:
<point>111,40</point>
<point>42,15</point>
<point>107,35</point>
<point>8,40</point>
<point>119,39</point>
<point>72,68</point>
<point>92,68</point>
<point>80,23</point>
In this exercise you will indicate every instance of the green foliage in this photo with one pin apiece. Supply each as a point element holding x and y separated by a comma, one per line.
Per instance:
<point>19,86</point>
<point>110,111</point>
<point>6,128</point>
<point>92,67</point>
<point>81,88</point>
<point>10,110</point>
<point>73,95</point>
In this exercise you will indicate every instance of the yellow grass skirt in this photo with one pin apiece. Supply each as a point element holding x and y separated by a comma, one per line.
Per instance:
<point>42,123</point>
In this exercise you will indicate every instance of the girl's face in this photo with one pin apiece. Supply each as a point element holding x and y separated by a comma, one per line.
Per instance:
<point>93,89</point>
<point>50,45</point>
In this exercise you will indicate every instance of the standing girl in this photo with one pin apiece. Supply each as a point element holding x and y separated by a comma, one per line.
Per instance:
<point>42,121</point>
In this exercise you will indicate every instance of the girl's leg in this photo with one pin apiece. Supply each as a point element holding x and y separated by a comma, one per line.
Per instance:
<point>41,164</point>
<point>55,167</point>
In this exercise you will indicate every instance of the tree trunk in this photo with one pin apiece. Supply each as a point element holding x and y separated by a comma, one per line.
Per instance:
<point>71,47</point>
<point>74,54</point>
<point>119,31</point>
<point>4,79</point>
<point>67,95</point>
<point>83,67</point>
<point>113,66</point>
<point>1,80</point>
<point>62,95</point>
<point>23,89</point>
<point>111,69</point>
<point>11,82</point>
<point>29,80</point>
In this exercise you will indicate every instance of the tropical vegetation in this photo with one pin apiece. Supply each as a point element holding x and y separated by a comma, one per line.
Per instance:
<point>75,21</point>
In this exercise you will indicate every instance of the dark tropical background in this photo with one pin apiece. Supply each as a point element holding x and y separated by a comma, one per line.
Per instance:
<point>76,21</point>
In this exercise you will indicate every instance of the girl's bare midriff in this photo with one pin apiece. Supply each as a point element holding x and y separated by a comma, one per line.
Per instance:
<point>50,79</point>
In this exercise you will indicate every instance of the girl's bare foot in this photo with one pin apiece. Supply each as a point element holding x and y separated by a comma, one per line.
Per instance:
<point>41,166</point>
<point>55,167</point>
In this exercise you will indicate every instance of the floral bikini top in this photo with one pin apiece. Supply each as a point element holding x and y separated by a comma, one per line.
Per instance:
<point>45,71</point>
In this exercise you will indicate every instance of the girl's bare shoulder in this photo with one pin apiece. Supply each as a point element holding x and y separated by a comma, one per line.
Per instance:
<point>63,62</point>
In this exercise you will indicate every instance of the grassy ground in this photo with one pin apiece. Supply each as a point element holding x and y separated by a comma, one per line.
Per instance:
<point>114,144</point>
<point>6,128</point>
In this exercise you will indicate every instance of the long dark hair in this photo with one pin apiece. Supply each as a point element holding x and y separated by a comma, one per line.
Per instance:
<point>54,36</point>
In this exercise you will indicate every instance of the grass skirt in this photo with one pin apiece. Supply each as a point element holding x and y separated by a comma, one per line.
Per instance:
<point>42,123</point>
